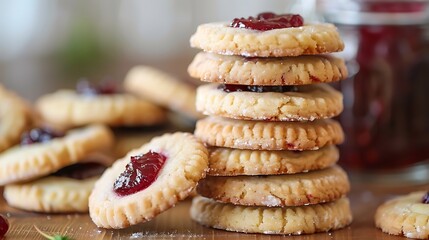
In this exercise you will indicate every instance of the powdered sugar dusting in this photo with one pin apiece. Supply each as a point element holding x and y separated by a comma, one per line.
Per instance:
<point>271,201</point>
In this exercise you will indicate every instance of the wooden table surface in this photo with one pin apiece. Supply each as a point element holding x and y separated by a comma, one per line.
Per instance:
<point>176,223</point>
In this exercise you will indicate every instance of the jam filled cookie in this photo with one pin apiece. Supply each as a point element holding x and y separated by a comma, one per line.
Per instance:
<point>278,190</point>
<point>14,118</point>
<point>44,151</point>
<point>262,135</point>
<point>50,195</point>
<point>66,190</point>
<point>89,104</point>
<point>272,220</point>
<point>272,103</point>
<point>266,36</point>
<point>148,180</point>
<point>163,89</point>
<point>299,70</point>
<point>236,162</point>
<point>405,215</point>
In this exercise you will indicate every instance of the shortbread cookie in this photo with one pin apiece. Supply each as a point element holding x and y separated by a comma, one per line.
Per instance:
<point>305,103</point>
<point>24,163</point>
<point>66,190</point>
<point>262,135</point>
<point>235,162</point>
<point>299,70</point>
<point>163,89</point>
<point>309,39</point>
<point>51,194</point>
<point>119,201</point>
<point>15,118</point>
<point>405,215</point>
<point>272,220</point>
<point>68,108</point>
<point>299,189</point>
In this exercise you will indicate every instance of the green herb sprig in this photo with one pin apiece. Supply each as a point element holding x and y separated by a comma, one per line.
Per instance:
<point>55,237</point>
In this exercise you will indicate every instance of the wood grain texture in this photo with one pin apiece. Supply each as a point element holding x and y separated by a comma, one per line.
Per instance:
<point>176,223</point>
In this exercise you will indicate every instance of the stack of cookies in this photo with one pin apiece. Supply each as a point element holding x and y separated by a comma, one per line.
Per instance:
<point>272,143</point>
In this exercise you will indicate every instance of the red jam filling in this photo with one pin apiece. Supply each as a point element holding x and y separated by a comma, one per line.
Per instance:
<point>258,89</point>
<point>139,173</point>
<point>39,135</point>
<point>268,21</point>
<point>425,198</point>
<point>81,171</point>
<point>4,226</point>
<point>84,87</point>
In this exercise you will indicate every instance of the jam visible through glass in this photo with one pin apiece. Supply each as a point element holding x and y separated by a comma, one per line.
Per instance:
<point>258,89</point>
<point>39,135</point>
<point>86,88</point>
<point>268,21</point>
<point>139,173</point>
<point>81,171</point>
<point>386,118</point>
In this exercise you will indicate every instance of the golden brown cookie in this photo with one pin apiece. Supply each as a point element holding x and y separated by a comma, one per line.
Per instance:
<point>306,40</point>
<point>304,103</point>
<point>28,162</point>
<point>185,163</point>
<point>67,108</point>
<point>272,220</point>
<point>262,135</point>
<point>299,189</point>
<point>66,190</point>
<point>51,194</point>
<point>405,215</point>
<point>15,118</point>
<point>235,162</point>
<point>210,67</point>
<point>163,89</point>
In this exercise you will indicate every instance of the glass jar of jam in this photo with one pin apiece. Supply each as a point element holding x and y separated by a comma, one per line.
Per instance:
<point>386,100</point>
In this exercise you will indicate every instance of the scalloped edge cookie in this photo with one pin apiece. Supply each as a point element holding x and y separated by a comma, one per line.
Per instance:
<point>404,215</point>
<point>306,40</point>
<point>15,118</point>
<point>309,102</point>
<point>187,163</point>
<point>163,89</point>
<point>299,189</point>
<point>51,194</point>
<point>262,135</point>
<point>301,70</point>
<point>237,162</point>
<point>24,163</point>
<point>68,109</point>
<point>272,220</point>
<point>56,194</point>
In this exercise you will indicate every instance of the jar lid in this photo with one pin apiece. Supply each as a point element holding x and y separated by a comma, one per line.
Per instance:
<point>376,12</point>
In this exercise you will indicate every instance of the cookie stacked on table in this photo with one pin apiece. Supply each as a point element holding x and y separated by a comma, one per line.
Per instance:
<point>52,155</point>
<point>43,168</point>
<point>272,143</point>
<point>50,163</point>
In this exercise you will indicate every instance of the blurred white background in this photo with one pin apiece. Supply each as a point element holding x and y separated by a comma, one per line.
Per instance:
<point>49,44</point>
